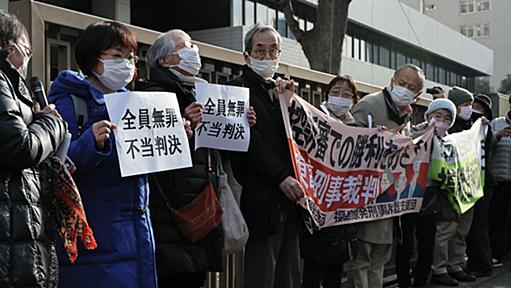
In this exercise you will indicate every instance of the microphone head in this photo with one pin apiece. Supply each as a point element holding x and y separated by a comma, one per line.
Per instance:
<point>36,83</point>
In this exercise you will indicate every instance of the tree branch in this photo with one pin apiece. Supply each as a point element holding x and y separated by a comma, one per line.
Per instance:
<point>287,8</point>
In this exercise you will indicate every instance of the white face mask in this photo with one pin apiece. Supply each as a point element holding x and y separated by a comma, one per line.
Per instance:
<point>264,68</point>
<point>116,73</point>
<point>465,112</point>
<point>190,60</point>
<point>401,96</point>
<point>440,126</point>
<point>339,105</point>
<point>24,67</point>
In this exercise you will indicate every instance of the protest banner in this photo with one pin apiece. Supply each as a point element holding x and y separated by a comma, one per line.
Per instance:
<point>224,122</point>
<point>457,162</point>
<point>150,135</point>
<point>352,174</point>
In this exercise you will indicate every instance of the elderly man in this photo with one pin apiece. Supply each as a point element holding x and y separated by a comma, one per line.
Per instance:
<point>269,189</point>
<point>390,107</point>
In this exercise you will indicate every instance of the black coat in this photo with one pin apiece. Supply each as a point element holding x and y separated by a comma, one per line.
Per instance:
<point>267,162</point>
<point>174,254</point>
<point>27,248</point>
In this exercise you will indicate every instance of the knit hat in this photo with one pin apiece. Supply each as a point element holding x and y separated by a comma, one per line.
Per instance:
<point>441,103</point>
<point>459,95</point>
<point>485,100</point>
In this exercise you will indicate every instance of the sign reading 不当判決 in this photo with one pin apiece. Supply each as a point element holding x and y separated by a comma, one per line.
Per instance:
<point>150,135</point>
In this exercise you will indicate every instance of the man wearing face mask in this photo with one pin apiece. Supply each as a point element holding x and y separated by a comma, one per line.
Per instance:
<point>269,188</point>
<point>452,229</point>
<point>390,107</point>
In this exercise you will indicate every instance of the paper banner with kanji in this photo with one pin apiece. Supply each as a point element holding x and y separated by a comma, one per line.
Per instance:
<point>150,134</point>
<point>352,174</point>
<point>457,162</point>
<point>224,123</point>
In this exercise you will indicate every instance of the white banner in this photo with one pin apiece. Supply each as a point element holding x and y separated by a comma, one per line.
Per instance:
<point>150,135</point>
<point>224,122</point>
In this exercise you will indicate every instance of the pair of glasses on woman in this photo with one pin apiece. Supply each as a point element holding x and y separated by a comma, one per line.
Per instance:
<point>120,59</point>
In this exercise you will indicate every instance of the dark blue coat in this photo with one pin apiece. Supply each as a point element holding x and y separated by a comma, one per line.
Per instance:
<point>116,207</point>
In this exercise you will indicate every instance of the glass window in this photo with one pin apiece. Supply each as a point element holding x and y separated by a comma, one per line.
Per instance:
<point>262,13</point>
<point>384,58</point>
<point>237,10</point>
<point>400,59</point>
<point>272,18</point>
<point>349,45</point>
<point>470,31</point>
<point>249,12</point>
<point>356,48</point>
<point>363,50</point>
<point>430,75</point>
<point>441,75</point>
<point>470,7</point>
<point>486,30</point>
<point>483,5</point>
<point>281,24</point>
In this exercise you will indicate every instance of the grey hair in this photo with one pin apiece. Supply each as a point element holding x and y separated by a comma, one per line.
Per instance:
<point>259,28</point>
<point>164,45</point>
<point>416,68</point>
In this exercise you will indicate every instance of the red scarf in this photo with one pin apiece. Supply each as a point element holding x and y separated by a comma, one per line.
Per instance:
<point>69,213</point>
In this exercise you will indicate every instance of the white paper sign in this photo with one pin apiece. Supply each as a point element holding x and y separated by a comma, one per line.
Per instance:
<point>150,136</point>
<point>224,122</point>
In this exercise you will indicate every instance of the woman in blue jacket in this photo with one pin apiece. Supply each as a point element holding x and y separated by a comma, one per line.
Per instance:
<point>116,207</point>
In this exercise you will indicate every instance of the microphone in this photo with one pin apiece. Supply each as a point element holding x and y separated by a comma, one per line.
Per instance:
<point>37,88</point>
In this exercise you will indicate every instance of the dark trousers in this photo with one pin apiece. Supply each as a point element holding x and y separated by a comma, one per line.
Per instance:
<point>478,240</point>
<point>274,260</point>
<point>500,220</point>
<point>424,228</point>
<point>315,274</point>
<point>195,280</point>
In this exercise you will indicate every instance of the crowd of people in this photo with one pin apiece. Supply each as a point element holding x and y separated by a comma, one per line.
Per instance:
<point>139,243</point>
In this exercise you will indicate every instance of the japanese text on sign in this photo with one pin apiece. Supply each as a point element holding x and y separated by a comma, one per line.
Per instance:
<point>150,135</point>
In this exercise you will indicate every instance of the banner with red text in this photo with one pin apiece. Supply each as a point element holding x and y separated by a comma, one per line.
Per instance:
<point>353,174</point>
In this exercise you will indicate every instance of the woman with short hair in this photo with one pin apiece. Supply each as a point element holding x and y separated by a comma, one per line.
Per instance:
<point>116,207</point>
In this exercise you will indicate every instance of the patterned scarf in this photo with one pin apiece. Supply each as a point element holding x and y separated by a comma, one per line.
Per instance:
<point>69,213</point>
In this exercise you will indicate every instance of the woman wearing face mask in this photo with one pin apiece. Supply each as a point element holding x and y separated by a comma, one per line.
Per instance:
<point>325,251</point>
<point>174,65</point>
<point>28,137</point>
<point>116,207</point>
<point>422,225</point>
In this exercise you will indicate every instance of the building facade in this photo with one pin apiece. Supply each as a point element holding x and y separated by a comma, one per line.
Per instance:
<point>484,21</point>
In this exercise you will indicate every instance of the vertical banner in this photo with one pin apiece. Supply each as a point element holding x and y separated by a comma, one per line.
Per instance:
<point>352,174</point>
<point>224,122</point>
<point>150,135</point>
<point>457,162</point>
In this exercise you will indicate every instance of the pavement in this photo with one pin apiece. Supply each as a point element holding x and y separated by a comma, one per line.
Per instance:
<point>501,278</point>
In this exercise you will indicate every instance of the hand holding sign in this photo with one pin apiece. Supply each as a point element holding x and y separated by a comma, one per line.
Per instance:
<point>101,131</point>
<point>292,189</point>
<point>194,113</point>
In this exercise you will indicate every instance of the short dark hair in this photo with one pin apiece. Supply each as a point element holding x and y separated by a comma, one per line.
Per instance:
<point>347,79</point>
<point>11,30</point>
<point>99,37</point>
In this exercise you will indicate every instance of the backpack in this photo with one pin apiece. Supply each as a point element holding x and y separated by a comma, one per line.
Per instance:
<point>81,112</point>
